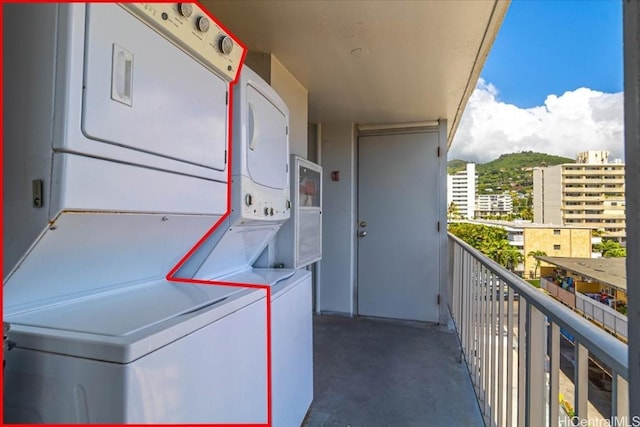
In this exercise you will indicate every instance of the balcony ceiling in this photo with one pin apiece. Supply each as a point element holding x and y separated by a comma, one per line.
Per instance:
<point>418,60</point>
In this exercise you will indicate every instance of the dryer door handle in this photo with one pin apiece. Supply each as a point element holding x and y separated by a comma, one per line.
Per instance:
<point>251,128</point>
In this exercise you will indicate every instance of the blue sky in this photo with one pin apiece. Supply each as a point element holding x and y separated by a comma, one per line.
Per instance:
<point>552,83</point>
<point>550,47</point>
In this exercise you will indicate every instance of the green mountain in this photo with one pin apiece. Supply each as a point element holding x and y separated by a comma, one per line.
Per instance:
<point>455,165</point>
<point>511,173</point>
<point>525,159</point>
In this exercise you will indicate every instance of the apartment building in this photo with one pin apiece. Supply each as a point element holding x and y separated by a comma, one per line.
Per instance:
<point>553,240</point>
<point>590,193</point>
<point>488,205</point>
<point>461,190</point>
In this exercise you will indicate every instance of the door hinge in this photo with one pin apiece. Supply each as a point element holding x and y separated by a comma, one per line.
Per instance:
<point>438,151</point>
<point>225,157</point>
<point>438,299</point>
<point>287,130</point>
<point>36,193</point>
<point>226,98</point>
<point>438,226</point>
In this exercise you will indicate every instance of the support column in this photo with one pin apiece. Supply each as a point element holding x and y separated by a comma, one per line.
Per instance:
<point>631,17</point>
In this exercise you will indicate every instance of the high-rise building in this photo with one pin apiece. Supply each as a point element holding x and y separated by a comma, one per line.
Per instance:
<point>461,190</point>
<point>587,193</point>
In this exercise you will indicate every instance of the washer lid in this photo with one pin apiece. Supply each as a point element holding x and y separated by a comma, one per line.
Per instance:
<point>124,325</point>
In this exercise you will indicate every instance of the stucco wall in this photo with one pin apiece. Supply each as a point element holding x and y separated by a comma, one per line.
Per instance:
<point>338,232</point>
<point>295,96</point>
<point>573,243</point>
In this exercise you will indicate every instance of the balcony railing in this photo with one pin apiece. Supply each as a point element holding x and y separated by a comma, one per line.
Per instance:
<point>509,335</point>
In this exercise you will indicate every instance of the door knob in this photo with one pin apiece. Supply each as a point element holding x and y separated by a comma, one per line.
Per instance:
<point>363,233</point>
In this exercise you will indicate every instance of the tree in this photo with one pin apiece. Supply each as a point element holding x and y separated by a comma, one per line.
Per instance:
<point>491,241</point>
<point>611,249</point>
<point>452,210</point>
<point>526,214</point>
<point>534,254</point>
<point>484,238</point>
<point>510,257</point>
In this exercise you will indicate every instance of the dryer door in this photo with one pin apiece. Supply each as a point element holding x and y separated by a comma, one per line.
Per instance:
<point>144,93</point>
<point>267,141</point>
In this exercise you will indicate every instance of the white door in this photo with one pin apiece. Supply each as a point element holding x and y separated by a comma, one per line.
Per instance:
<point>398,226</point>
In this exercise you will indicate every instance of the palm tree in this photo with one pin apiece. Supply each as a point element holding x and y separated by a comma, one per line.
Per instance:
<point>534,255</point>
<point>452,210</point>
<point>510,257</point>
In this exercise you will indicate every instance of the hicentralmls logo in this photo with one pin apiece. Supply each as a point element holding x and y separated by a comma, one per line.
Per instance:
<point>602,422</point>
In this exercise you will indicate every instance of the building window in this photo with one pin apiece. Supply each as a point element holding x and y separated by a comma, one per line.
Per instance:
<point>556,232</point>
<point>556,247</point>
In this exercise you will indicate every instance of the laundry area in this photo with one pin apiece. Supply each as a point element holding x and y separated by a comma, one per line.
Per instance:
<point>146,175</point>
<point>193,190</point>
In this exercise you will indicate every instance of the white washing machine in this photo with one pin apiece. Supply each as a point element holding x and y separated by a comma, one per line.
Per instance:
<point>115,164</point>
<point>291,340</point>
<point>159,353</point>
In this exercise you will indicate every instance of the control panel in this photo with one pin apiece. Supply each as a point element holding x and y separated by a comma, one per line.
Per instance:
<point>190,28</point>
<point>259,203</point>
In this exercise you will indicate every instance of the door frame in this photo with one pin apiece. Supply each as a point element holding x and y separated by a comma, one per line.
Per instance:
<point>441,129</point>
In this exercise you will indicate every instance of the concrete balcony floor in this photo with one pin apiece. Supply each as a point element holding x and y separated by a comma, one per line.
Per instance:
<point>370,372</point>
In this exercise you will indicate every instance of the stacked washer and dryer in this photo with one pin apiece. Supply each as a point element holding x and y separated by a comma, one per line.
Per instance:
<point>115,164</point>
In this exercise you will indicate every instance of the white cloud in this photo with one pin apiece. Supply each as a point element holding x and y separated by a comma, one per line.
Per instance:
<point>575,121</point>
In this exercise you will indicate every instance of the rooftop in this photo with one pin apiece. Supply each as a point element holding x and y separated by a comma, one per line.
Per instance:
<point>526,224</point>
<point>609,271</point>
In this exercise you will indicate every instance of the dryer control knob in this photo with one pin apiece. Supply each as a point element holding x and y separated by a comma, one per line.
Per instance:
<point>203,24</point>
<point>225,44</point>
<point>185,9</point>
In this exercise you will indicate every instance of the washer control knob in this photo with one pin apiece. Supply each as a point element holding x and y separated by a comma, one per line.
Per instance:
<point>266,211</point>
<point>185,9</point>
<point>203,24</point>
<point>271,211</point>
<point>248,199</point>
<point>225,44</point>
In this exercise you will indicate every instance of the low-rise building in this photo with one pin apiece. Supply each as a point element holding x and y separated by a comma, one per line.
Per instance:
<point>596,288</point>
<point>488,205</point>
<point>549,239</point>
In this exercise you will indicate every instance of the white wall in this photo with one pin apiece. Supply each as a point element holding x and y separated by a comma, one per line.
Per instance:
<point>295,96</point>
<point>338,229</point>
